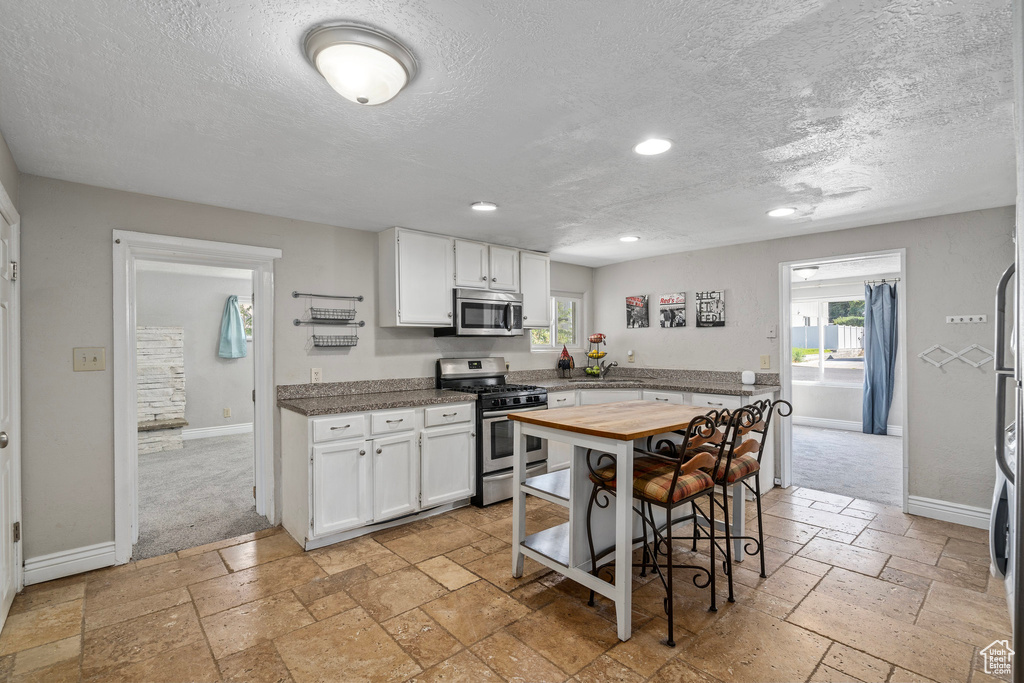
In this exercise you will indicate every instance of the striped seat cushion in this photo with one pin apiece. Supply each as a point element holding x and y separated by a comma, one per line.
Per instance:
<point>740,467</point>
<point>652,478</point>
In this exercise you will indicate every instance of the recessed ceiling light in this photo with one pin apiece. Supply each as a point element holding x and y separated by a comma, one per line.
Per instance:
<point>361,64</point>
<point>629,238</point>
<point>782,212</point>
<point>483,206</point>
<point>653,146</point>
<point>806,272</point>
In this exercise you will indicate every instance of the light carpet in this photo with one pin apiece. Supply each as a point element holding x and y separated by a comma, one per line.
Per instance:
<point>853,464</point>
<point>196,495</point>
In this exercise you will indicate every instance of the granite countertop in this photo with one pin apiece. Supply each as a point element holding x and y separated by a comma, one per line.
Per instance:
<point>723,388</point>
<point>354,403</point>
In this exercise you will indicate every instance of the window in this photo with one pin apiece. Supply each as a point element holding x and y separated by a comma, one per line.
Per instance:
<point>828,348</point>
<point>245,309</point>
<point>566,326</point>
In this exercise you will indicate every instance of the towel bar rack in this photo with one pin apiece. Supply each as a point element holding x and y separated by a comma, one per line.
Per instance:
<point>296,295</point>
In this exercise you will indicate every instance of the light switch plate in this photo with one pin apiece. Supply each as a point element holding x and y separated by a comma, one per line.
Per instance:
<point>89,358</point>
<point>766,362</point>
<point>227,412</point>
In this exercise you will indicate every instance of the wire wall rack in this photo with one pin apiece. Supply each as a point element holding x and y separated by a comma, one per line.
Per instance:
<point>321,315</point>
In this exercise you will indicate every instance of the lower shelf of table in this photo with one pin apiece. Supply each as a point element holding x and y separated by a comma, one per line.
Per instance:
<point>552,487</point>
<point>551,549</point>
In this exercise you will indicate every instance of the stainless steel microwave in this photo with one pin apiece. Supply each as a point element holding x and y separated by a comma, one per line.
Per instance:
<point>482,313</point>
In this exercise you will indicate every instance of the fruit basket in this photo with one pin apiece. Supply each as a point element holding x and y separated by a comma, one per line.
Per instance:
<point>597,354</point>
<point>596,338</point>
<point>594,355</point>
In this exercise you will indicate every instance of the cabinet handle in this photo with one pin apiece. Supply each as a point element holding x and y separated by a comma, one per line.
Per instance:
<point>362,452</point>
<point>711,403</point>
<point>449,314</point>
<point>448,414</point>
<point>484,278</point>
<point>379,451</point>
<point>561,400</point>
<point>660,399</point>
<point>526,317</point>
<point>345,427</point>
<point>494,279</point>
<point>473,434</point>
<point>401,419</point>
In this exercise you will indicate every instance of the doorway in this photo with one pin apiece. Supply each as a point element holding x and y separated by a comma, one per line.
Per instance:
<point>195,387</point>
<point>823,324</point>
<point>133,252</point>
<point>12,577</point>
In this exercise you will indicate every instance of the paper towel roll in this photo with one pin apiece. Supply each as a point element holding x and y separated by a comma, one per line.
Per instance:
<point>747,377</point>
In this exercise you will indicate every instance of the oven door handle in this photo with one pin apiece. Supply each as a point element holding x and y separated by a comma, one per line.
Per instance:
<point>502,413</point>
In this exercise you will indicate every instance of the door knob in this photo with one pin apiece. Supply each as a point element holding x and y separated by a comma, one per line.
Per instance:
<point>4,440</point>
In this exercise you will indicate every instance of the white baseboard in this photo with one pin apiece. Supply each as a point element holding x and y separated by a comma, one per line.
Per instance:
<point>68,562</point>
<point>207,432</point>
<point>847,425</point>
<point>949,512</point>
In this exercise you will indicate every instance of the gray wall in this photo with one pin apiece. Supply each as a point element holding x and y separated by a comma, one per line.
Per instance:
<point>9,176</point>
<point>953,264</point>
<point>67,293</point>
<point>195,302</point>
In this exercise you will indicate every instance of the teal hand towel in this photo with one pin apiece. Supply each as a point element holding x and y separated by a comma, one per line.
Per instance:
<point>232,332</point>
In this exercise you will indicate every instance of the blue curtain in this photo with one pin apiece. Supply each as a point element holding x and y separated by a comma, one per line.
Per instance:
<point>232,331</point>
<point>880,343</point>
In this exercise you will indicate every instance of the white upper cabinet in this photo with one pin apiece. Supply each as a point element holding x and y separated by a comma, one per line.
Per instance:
<point>535,284</point>
<point>416,273</point>
<point>504,269</point>
<point>471,265</point>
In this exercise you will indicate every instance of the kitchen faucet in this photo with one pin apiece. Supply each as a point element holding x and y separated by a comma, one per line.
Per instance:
<point>606,367</point>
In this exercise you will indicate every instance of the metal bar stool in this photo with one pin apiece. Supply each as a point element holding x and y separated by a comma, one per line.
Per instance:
<point>662,481</point>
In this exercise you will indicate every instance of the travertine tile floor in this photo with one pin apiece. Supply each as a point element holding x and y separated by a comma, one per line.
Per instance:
<point>857,592</point>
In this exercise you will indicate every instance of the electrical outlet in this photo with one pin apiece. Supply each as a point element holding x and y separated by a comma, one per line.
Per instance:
<point>227,412</point>
<point>766,362</point>
<point>89,359</point>
<point>316,375</point>
<point>631,356</point>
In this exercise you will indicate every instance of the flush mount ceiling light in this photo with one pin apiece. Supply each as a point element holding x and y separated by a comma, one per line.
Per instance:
<point>806,272</point>
<point>782,212</point>
<point>483,206</point>
<point>361,64</point>
<point>629,238</point>
<point>653,146</point>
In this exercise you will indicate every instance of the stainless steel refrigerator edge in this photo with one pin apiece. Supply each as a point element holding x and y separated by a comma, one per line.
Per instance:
<point>1018,545</point>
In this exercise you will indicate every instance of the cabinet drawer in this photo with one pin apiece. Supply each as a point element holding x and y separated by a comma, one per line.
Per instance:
<point>436,416</point>
<point>673,397</point>
<point>393,421</point>
<point>716,401</point>
<point>338,427</point>
<point>561,399</point>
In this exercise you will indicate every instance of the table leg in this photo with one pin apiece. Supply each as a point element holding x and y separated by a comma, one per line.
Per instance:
<point>738,521</point>
<point>518,498</point>
<point>624,538</point>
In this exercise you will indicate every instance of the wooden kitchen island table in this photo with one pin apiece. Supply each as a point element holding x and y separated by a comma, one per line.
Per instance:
<point>607,428</point>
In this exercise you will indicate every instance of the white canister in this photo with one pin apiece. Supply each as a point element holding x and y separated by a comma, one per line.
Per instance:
<point>747,377</point>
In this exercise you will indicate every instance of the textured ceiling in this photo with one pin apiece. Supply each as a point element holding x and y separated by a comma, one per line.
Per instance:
<point>852,268</point>
<point>854,112</point>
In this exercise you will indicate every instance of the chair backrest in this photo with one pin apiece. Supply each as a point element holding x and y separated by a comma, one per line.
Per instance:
<point>762,412</point>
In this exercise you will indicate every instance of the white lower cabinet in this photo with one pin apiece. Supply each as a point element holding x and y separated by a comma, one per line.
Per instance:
<point>589,397</point>
<point>395,476</point>
<point>447,464</point>
<point>341,486</point>
<point>673,397</point>
<point>331,489</point>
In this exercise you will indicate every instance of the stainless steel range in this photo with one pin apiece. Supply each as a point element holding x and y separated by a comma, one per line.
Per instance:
<point>496,400</point>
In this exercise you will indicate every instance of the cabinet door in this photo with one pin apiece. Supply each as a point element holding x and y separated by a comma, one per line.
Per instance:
<point>504,267</point>
<point>470,264</point>
<point>535,284</point>
<point>594,396</point>
<point>447,465</point>
<point>396,480</point>
<point>425,276</point>
<point>341,486</point>
<point>674,397</point>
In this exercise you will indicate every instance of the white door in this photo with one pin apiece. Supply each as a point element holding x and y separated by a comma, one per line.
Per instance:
<point>470,264</point>
<point>504,267</point>
<point>535,284</point>
<point>446,465</point>
<point>425,276</point>
<point>341,486</point>
<point>396,480</point>
<point>10,434</point>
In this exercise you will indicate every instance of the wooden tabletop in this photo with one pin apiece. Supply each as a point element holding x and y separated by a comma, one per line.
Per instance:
<point>624,421</point>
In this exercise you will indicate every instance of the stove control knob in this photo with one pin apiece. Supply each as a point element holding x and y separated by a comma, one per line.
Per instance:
<point>504,401</point>
<point>517,400</point>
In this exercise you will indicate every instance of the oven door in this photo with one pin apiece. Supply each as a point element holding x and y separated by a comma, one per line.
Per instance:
<point>498,441</point>
<point>480,317</point>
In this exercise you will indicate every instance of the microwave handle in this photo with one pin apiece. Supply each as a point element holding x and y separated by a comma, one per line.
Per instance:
<point>508,317</point>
